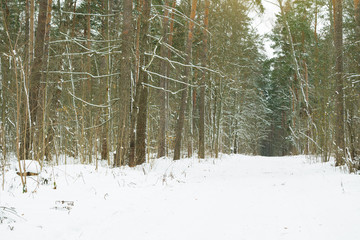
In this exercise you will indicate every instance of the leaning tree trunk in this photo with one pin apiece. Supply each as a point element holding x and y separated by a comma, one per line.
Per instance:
<point>181,115</point>
<point>339,107</point>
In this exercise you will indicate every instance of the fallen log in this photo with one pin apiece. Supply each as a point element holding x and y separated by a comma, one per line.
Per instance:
<point>28,168</point>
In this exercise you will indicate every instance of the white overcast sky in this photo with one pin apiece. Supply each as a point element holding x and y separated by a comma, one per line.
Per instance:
<point>264,23</point>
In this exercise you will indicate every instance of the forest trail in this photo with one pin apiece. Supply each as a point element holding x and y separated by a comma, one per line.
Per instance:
<point>235,197</point>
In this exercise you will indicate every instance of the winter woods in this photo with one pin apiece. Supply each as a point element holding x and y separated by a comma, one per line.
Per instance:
<point>125,81</point>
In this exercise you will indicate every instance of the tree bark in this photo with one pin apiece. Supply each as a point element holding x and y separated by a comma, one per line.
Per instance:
<point>47,140</point>
<point>171,36</point>
<point>105,69</point>
<point>339,84</point>
<point>163,84</point>
<point>181,115</point>
<point>203,83</point>
<point>357,13</point>
<point>141,125</point>
<point>25,126</point>
<point>136,98</point>
<point>88,90</point>
<point>35,93</point>
<point>218,117</point>
<point>125,82</point>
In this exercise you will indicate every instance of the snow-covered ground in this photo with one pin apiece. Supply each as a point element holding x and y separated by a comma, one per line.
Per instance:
<point>235,197</point>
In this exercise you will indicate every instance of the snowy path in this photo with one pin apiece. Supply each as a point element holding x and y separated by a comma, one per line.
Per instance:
<point>238,197</point>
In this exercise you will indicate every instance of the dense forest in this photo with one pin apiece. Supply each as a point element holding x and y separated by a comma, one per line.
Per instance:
<point>125,81</point>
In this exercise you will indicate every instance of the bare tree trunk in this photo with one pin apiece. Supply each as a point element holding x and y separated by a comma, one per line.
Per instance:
<point>203,83</point>
<point>171,36</point>
<point>355,140</point>
<point>218,117</point>
<point>308,130</point>
<point>12,52</point>
<point>73,21</point>
<point>141,126</point>
<point>24,141</point>
<point>88,89</point>
<point>36,75</point>
<point>213,120</point>
<point>125,82</point>
<point>31,30</point>
<point>3,97</point>
<point>136,98</point>
<point>163,84</point>
<point>181,115</point>
<point>339,107</point>
<point>357,14</point>
<point>105,68</point>
<point>105,146</point>
<point>43,89</point>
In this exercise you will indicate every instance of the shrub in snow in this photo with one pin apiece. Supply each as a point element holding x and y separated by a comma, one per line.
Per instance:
<point>8,216</point>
